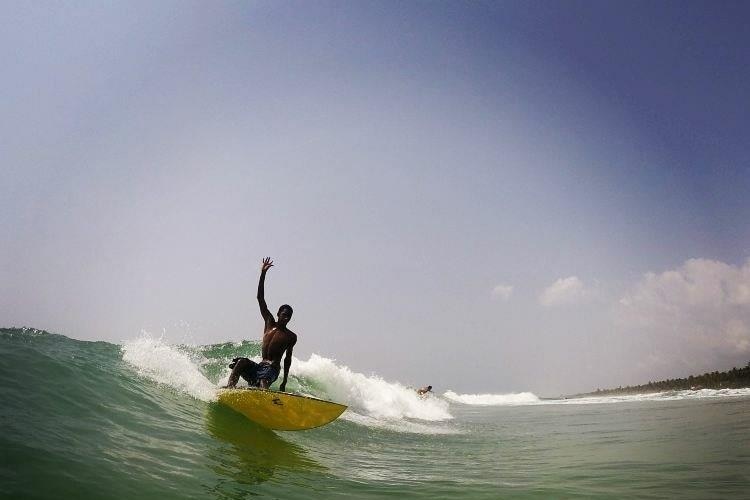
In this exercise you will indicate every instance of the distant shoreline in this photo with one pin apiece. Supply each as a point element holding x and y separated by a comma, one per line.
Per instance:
<point>736,378</point>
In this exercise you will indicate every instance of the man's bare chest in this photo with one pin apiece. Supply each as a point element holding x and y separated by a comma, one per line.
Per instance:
<point>274,334</point>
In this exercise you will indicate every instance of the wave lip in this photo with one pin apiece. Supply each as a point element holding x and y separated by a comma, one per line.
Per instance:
<point>167,364</point>
<point>512,399</point>
<point>370,396</point>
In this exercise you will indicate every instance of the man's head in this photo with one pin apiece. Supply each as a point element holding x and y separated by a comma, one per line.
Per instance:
<point>285,314</point>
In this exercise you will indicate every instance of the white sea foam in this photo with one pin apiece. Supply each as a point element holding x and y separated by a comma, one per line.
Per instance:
<point>512,399</point>
<point>654,396</point>
<point>373,401</point>
<point>167,364</point>
<point>528,398</point>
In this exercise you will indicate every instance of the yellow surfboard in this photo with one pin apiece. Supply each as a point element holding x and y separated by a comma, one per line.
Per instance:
<point>281,411</point>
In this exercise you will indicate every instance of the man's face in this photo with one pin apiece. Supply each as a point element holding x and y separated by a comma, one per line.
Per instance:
<point>284,315</point>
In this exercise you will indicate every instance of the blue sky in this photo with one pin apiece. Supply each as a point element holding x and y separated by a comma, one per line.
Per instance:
<point>471,195</point>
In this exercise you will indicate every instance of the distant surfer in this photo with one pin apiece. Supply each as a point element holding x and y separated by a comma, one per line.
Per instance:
<point>277,339</point>
<point>424,390</point>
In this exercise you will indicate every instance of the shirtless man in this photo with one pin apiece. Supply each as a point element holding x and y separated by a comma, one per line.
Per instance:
<point>424,390</point>
<point>277,338</point>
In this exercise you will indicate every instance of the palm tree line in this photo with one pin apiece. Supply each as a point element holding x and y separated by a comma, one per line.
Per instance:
<point>730,379</point>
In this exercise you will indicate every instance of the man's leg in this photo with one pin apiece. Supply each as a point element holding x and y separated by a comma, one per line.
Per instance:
<point>243,367</point>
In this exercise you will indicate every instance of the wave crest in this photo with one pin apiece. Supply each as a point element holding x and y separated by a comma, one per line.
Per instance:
<point>370,396</point>
<point>167,364</point>
<point>512,399</point>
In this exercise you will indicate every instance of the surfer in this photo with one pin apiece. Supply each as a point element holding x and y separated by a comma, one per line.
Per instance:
<point>277,339</point>
<point>424,390</point>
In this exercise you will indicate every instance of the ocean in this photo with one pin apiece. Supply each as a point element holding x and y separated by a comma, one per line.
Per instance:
<point>139,420</point>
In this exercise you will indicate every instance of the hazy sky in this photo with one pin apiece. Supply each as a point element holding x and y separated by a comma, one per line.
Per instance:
<point>483,196</point>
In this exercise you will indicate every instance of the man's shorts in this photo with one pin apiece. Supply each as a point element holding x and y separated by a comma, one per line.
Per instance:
<point>255,372</point>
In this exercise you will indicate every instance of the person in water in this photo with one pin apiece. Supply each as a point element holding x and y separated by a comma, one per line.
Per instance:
<point>424,390</point>
<point>277,339</point>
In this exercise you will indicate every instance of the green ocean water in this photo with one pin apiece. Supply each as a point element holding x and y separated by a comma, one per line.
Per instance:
<point>98,420</point>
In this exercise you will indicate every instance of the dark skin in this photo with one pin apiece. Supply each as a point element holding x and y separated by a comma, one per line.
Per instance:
<point>277,338</point>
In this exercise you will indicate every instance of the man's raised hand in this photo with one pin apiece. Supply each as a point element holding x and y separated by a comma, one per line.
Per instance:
<point>267,264</point>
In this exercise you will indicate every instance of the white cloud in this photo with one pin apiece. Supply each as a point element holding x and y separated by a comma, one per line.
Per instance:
<point>698,283</point>
<point>502,292</point>
<point>565,291</point>
<point>698,313</point>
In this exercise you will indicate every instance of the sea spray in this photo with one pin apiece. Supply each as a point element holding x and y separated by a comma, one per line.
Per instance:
<point>373,402</point>
<point>371,395</point>
<point>167,364</point>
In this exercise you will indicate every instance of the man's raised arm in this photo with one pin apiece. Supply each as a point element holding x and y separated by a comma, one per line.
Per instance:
<point>267,264</point>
